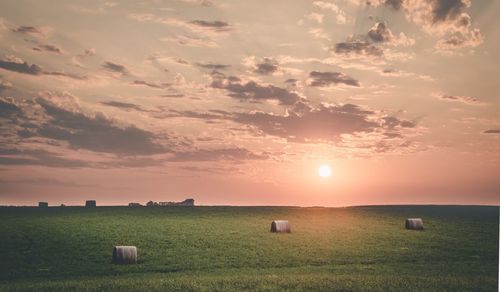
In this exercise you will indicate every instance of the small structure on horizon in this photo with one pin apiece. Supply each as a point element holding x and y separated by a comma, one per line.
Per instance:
<point>414,224</point>
<point>134,205</point>
<point>125,255</point>
<point>186,202</point>
<point>90,203</point>
<point>43,204</point>
<point>281,226</point>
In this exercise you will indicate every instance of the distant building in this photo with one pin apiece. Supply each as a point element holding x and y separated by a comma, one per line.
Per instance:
<point>187,202</point>
<point>43,204</point>
<point>62,205</point>
<point>134,205</point>
<point>90,203</point>
<point>151,204</point>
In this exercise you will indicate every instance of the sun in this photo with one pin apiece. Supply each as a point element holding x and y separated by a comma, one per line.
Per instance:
<point>325,171</point>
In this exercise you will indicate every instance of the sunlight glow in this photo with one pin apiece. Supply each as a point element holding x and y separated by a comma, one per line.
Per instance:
<point>324,171</point>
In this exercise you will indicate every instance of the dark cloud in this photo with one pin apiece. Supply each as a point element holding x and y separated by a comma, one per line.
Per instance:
<point>306,124</point>
<point>492,131</point>
<point>230,154</point>
<point>216,25</point>
<point>358,47</point>
<point>33,69</point>
<point>444,10</point>
<point>268,66</point>
<point>96,133</point>
<point>325,123</point>
<point>395,4</point>
<point>464,99</point>
<point>12,156</point>
<point>379,33</point>
<point>67,75</point>
<point>9,109</point>
<point>152,84</point>
<point>178,95</point>
<point>49,48</point>
<point>114,67</point>
<point>28,30</point>
<point>212,66</point>
<point>123,105</point>
<point>448,18</point>
<point>21,67</point>
<point>252,91</point>
<point>322,79</point>
<point>81,131</point>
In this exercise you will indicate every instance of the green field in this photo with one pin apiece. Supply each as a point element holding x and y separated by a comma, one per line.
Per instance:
<point>231,248</point>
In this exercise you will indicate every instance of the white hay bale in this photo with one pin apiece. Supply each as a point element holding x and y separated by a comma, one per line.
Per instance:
<point>414,224</point>
<point>280,226</point>
<point>125,255</point>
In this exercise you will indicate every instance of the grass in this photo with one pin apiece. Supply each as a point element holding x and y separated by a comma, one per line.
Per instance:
<point>231,248</point>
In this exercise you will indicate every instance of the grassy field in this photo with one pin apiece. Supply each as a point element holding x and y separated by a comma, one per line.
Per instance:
<point>231,248</point>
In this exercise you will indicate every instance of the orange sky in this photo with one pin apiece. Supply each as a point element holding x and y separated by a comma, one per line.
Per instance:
<point>230,102</point>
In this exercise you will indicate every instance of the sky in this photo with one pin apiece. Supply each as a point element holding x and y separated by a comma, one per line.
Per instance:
<point>240,102</point>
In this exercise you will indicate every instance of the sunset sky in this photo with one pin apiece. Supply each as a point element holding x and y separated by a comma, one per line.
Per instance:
<point>240,102</point>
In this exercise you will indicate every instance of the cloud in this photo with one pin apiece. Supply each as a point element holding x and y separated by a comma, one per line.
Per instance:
<point>114,67</point>
<point>229,154</point>
<point>46,181</point>
<point>48,48</point>
<point>213,66</point>
<point>214,170</point>
<point>340,15</point>
<point>5,85</point>
<point>472,39</point>
<point>373,45</point>
<point>464,99</point>
<point>216,25</point>
<point>380,33</point>
<point>315,17</point>
<point>268,66</point>
<point>325,123</point>
<point>252,91</point>
<point>21,67</point>
<point>60,118</point>
<point>191,41</point>
<point>124,105</point>
<point>444,18</point>
<point>210,26</point>
<point>13,156</point>
<point>159,85</point>
<point>32,30</point>
<point>353,47</point>
<point>87,53</point>
<point>492,131</point>
<point>322,79</point>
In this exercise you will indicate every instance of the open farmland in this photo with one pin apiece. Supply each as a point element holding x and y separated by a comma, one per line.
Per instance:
<point>231,248</point>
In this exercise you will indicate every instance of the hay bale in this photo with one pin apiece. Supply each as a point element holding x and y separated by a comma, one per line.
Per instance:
<point>280,226</point>
<point>90,203</point>
<point>43,204</point>
<point>414,224</point>
<point>125,255</point>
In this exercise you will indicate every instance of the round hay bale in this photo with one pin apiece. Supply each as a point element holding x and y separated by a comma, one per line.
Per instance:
<point>414,224</point>
<point>280,226</point>
<point>125,255</point>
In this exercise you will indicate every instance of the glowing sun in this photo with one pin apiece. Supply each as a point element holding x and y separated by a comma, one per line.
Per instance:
<point>324,171</point>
